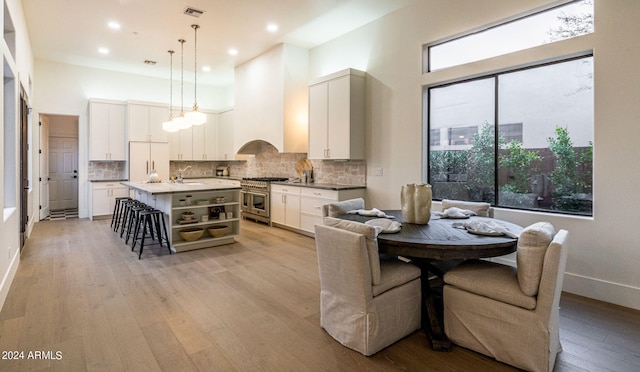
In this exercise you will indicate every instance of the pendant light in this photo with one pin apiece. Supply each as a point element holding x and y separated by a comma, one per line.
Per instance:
<point>195,117</point>
<point>180,121</point>
<point>169,125</point>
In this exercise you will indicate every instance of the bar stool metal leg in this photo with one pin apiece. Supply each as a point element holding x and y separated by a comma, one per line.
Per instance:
<point>134,223</point>
<point>149,219</point>
<point>127,215</point>
<point>117,212</point>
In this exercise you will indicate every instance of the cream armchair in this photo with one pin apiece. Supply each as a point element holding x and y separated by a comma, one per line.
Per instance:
<point>366,303</point>
<point>481,209</point>
<point>511,314</point>
<point>342,207</point>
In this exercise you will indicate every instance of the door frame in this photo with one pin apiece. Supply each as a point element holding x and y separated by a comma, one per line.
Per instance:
<point>25,186</point>
<point>44,140</point>
<point>44,166</point>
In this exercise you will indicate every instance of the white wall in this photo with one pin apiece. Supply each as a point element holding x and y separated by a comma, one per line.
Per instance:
<point>62,89</point>
<point>63,126</point>
<point>604,250</point>
<point>10,222</point>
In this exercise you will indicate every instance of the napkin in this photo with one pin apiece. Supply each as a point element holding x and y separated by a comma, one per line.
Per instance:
<point>370,212</point>
<point>455,212</point>
<point>385,225</point>
<point>486,227</point>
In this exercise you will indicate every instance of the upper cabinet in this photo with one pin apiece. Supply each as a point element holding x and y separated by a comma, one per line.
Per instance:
<point>107,133</point>
<point>205,139</point>
<point>212,140</point>
<point>145,122</point>
<point>336,116</point>
<point>271,99</point>
<point>181,144</point>
<point>225,135</point>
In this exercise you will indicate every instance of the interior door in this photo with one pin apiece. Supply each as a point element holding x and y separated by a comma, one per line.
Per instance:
<point>44,166</point>
<point>63,171</point>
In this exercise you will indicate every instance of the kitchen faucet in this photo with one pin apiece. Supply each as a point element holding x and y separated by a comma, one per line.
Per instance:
<point>179,176</point>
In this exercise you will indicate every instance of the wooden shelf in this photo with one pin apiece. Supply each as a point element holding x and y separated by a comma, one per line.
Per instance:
<point>232,204</point>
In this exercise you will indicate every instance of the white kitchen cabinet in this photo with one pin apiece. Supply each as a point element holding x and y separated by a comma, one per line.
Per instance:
<point>285,205</point>
<point>107,131</point>
<point>145,122</point>
<point>336,116</point>
<point>103,196</point>
<point>312,200</point>
<point>226,134</point>
<point>181,144</point>
<point>147,156</point>
<point>205,139</point>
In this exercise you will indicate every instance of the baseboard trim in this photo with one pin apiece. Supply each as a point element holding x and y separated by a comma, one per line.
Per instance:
<point>603,290</point>
<point>5,285</point>
<point>598,289</point>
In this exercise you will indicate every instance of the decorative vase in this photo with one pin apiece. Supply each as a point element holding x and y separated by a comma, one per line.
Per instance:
<point>154,177</point>
<point>416,203</point>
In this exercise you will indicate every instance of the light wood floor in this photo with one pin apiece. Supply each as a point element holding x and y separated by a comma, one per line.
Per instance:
<point>249,306</point>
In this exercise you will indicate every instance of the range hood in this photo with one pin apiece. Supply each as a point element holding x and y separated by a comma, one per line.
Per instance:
<point>254,147</point>
<point>271,100</point>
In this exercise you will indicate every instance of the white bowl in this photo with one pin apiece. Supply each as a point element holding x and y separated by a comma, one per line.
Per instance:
<point>188,215</point>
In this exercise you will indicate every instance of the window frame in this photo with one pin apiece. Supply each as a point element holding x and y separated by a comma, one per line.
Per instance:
<point>426,48</point>
<point>492,75</point>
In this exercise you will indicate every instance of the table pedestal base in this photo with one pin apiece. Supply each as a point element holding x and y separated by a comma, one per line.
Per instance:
<point>432,319</point>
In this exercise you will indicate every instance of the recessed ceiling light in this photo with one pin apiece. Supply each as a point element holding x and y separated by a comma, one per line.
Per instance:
<point>272,27</point>
<point>233,51</point>
<point>114,25</point>
<point>206,68</point>
<point>103,50</point>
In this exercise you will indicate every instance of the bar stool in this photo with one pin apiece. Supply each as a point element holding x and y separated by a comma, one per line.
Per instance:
<point>149,219</point>
<point>126,210</point>
<point>139,221</point>
<point>134,219</point>
<point>117,212</point>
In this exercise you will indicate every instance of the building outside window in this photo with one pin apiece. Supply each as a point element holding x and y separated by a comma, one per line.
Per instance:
<point>543,162</point>
<point>518,139</point>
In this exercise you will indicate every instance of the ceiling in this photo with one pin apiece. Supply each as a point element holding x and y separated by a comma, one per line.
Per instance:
<point>71,31</point>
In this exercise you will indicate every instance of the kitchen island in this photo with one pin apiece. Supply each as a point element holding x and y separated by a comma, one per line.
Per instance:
<point>219,202</point>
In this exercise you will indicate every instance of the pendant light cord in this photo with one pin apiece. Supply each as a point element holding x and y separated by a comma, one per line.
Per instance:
<point>195,68</point>
<point>182,41</point>
<point>171,84</point>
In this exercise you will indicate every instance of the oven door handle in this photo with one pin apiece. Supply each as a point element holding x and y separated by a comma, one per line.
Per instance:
<point>258,193</point>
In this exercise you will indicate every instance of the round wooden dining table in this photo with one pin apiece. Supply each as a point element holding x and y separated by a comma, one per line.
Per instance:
<point>439,240</point>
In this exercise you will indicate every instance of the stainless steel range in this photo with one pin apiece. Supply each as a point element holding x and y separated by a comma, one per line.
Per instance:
<point>254,198</point>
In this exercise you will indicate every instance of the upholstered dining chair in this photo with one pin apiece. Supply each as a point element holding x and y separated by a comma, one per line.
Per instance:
<point>342,207</point>
<point>481,209</point>
<point>366,303</point>
<point>511,313</point>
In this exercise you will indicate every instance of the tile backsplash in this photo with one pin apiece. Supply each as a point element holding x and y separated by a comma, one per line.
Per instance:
<point>107,170</point>
<point>268,162</point>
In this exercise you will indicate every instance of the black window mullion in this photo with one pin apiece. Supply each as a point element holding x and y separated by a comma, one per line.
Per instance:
<point>496,146</point>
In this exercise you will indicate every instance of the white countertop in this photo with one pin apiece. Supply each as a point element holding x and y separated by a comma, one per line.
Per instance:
<point>173,188</point>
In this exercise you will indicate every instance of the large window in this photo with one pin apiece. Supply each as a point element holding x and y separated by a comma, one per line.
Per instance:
<point>520,139</point>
